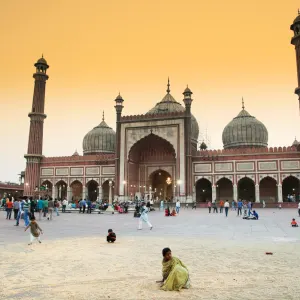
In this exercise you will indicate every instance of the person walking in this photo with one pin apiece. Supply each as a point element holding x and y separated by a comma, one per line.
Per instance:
<point>16,208</point>
<point>21,205</point>
<point>226,206</point>
<point>50,209</point>
<point>209,206</point>
<point>83,203</point>
<point>194,205</point>
<point>263,204</point>
<point>240,206</point>
<point>215,207</point>
<point>26,208</point>
<point>64,205</point>
<point>299,209</point>
<point>9,208</point>
<point>249,208</point>
<point>32,206</point>
<point>89,206</point>
<point>221,206</point>
<point>56,206</point>
<point>40,208</point>
<point>45,207</point>
<point>144,217</point>
<point>162,205</point>
<point>177,206</point>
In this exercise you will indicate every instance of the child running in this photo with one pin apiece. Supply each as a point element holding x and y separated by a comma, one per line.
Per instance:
<point>175,273</point>
<point>111,237</point>
<point>294,223</point>
<point>35,230</point>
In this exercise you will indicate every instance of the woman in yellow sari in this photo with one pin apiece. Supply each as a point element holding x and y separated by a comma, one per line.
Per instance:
<point>175,273</point>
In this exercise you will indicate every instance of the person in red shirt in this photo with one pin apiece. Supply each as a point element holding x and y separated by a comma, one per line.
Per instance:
<point>294,223</point>
<point>221,206</point>
<point>9,207</point>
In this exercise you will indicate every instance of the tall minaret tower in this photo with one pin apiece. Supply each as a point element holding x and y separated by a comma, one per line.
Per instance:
<point>35,142</point>
<point>296,42</point>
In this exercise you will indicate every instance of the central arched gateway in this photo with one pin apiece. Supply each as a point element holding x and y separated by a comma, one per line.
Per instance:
<point>162,184</point>
<point>151,161</point>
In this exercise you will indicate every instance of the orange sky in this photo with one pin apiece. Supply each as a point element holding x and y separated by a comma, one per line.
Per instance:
<point>223,49</point>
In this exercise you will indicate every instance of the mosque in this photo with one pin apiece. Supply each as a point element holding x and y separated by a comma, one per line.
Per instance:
<point>157,155</point>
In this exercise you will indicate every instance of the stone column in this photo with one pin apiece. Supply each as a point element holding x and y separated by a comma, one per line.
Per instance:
<point>257,196</point>
<point>110,192</point>
<point>53,192</point>
<point>235,192</point>
<point>84,192</point>
<point>214,193</point>
<point>279,193</point>
<point>69,194</point>
<point>100,192</point>
<point>194,194</point>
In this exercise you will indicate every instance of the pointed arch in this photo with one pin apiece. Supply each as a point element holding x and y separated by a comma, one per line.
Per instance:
<point>203,190</point>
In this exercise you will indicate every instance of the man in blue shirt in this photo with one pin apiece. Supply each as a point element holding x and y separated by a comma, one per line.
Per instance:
<point>254,215</point>
<point>83,203</point>
<point>240,206</point>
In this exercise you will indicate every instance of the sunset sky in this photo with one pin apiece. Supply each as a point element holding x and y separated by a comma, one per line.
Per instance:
<point>224,50</point>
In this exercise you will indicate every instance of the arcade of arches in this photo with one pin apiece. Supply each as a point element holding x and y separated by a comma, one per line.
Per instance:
<point>77,191</point>
<point>246,189</point>
<point>154,152</point>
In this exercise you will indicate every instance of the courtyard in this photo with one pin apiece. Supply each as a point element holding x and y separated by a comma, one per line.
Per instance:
<point>225,256</point>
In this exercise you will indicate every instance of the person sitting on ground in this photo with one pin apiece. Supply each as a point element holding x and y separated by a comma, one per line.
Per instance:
<point>111,237</point>
<point>167,212</point>
<point>173,213</point>
<point>294,223</point>
<point>253,216</point>
<point>175,273</point>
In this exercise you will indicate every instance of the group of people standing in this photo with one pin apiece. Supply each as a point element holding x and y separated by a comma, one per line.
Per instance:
<point>243,207</point>
<point>26,207</point>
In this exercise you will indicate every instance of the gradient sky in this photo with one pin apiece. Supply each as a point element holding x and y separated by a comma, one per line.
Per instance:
<point>223,49</point>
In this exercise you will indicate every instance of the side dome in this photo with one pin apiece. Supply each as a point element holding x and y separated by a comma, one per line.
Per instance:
<point>167,105</point>
<point>101,139</point>
<point>245,131</point>
<point>295,143</point>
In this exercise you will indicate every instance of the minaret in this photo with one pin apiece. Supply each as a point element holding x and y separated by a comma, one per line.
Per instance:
<point>119,107</point>
<point>35,142</point>
<point>188,143</point>
<point>296,42</point>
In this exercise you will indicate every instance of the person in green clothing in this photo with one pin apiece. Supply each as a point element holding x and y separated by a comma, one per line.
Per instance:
<point>45,207</point>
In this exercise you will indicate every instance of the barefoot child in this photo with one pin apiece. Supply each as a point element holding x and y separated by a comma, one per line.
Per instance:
<point>35,230</point>
<point>175,273</point>
<point>111,237</point>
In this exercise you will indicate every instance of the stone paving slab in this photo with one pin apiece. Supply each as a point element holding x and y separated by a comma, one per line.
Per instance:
<point>274,225</point>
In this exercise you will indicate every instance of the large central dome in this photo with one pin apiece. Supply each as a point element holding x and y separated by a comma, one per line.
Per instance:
<point>245,131</point>
<point>167,105</point>
<point>101,139</point>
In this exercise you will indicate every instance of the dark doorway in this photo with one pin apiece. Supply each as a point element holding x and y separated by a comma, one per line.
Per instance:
<point>246,189</point>
<point>203,190</point>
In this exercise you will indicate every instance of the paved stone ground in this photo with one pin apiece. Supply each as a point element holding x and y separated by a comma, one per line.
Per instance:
<point>274,225</point>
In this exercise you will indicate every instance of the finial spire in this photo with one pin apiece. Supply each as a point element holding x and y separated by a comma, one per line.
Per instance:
<point>243,104</point>
<point>298,11</point>
<point>103,115</point>
<point>168,85</point>
<point>42,55</point>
